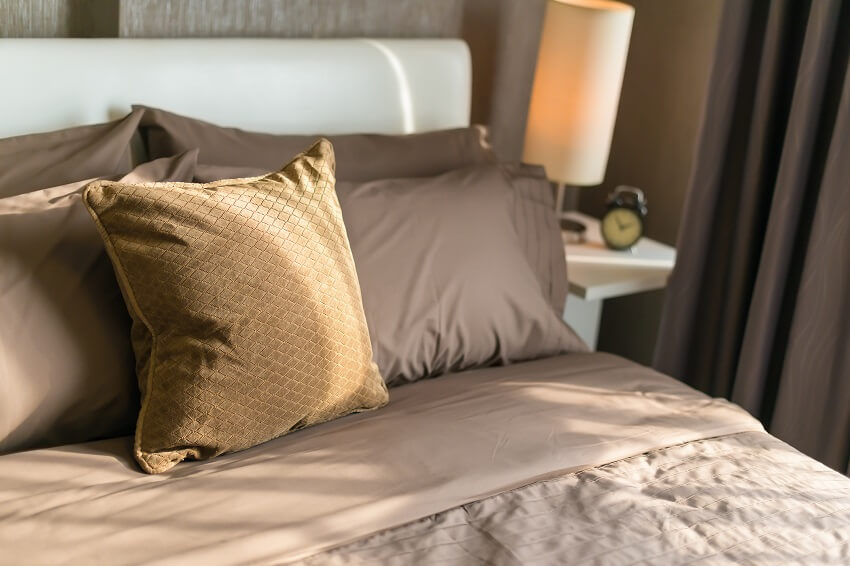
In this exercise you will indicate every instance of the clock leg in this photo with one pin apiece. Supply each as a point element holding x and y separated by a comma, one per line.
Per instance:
<point>584,317</point>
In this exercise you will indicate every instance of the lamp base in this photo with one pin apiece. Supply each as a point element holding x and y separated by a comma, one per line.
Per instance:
<point>566,197</point>
<point>572,231</point>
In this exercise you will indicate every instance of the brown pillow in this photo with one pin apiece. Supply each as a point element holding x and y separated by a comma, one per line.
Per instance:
<point>66,365</point>
<point>247,317</point>
<point>533,218</point>
<point>37,161</point>
<point>539,231</point>
<point>359,157</point>
<point>445,278</point>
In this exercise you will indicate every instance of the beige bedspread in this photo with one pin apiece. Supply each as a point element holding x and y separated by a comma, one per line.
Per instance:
<point>438,444</point>
<point>741,499</point>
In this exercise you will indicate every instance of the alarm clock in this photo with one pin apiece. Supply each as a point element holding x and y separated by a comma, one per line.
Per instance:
<point>623,223</point>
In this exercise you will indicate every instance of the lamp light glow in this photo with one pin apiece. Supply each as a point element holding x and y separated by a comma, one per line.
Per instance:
<point>576,91</point>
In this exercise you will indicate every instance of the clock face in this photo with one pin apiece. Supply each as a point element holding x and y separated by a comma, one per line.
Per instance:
<point>621,228</point>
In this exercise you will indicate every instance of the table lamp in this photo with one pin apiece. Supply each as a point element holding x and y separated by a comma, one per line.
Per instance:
<point>576,91</point>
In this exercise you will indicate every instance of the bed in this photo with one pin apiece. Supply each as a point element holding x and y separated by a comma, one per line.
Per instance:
<point>563,459</point>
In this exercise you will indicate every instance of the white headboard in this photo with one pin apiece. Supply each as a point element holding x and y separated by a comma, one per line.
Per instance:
<point>271,85</point>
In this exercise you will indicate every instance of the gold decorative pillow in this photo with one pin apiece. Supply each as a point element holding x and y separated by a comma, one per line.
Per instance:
<point>247,316</point>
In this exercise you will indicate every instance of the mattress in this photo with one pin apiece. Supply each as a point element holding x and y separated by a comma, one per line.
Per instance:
<point>478,444</point>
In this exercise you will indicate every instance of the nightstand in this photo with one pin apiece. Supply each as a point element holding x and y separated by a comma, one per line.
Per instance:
<point>597,273</point>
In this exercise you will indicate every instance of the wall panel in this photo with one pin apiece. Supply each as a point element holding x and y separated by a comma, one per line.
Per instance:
<point>664,90</point>
<point>59,18</point>
<point>516,40</point>
<point>35,18</point>
<point>290,18</point>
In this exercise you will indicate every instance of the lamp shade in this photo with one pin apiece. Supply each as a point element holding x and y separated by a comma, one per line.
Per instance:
<point>576,90</point>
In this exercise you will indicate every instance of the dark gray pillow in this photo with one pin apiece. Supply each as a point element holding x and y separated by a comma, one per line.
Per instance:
<point>359,157</point>
<point>37,161</point>
<point>446,281</point>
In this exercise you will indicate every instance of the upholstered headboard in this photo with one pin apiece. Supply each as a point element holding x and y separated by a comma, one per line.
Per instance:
<point>271,85</point>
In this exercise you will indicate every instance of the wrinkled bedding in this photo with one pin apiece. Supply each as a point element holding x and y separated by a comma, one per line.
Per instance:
<point>439,444</point>
<point>740,499</point>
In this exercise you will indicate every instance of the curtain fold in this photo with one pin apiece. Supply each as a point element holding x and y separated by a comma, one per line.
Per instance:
<point>758,306</point>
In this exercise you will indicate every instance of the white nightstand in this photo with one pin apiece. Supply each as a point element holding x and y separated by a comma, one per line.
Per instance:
<point>596,273</point>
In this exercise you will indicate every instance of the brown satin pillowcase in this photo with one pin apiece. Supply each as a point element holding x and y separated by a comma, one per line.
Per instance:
<point>66,364</point>
<point>247,316</point>
<point>36,161</point>
<point>446,281</point>
<point>359,157</point>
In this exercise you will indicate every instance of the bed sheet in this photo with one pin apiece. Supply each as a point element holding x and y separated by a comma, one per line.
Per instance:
<point>439,444</point>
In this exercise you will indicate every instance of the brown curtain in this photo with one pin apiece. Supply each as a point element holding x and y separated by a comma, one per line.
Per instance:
<point>758,306</point>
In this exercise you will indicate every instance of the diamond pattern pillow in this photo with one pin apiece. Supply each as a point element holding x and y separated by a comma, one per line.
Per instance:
<point>247,316</point>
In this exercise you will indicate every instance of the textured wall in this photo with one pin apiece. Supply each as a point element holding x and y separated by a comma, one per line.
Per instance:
<point>654,139</point>
<point>36,18</point>
<point>217,18</point>
<point>59,18</point>
<point>503,37</point>
<point>290,18</point>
